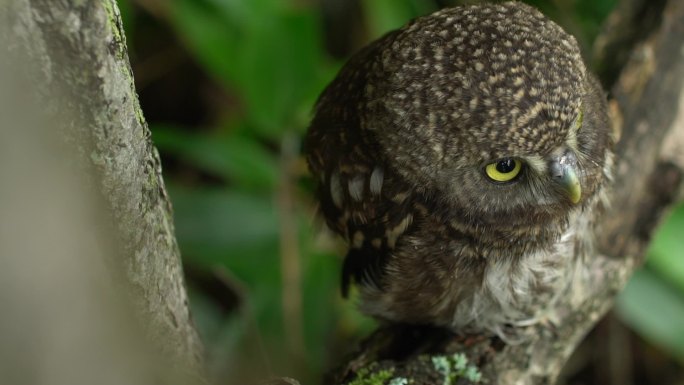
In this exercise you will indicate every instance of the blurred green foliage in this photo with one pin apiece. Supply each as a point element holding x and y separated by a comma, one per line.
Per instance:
<point>267,51</point>
<point>653,302</point>
<point>247,183</point>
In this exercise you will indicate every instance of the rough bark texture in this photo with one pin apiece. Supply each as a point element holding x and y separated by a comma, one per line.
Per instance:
<point>642,62</point>
<point>63,321</point>
<point>79,48</point>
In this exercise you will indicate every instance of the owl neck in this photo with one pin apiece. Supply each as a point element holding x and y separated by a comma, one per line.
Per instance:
<point>481,240</point>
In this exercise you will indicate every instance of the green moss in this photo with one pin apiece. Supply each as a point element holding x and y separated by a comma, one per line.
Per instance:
<point>138,112</point>
<point>399,381</point>
<point>369,376</point>
<point>114,25</point>
<point>455,367</point>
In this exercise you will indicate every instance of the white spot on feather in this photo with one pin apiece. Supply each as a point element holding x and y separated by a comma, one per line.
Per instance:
<point>336,189</point>
<point>376,179</point>
<point>356,188</point>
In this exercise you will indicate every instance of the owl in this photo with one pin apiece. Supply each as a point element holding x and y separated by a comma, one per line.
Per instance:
<point>463,159</point>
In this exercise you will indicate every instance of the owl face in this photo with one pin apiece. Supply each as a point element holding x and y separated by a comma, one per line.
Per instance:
<point>511,186</point>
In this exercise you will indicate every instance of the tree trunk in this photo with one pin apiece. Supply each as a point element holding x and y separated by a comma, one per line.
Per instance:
<point>75,53</point>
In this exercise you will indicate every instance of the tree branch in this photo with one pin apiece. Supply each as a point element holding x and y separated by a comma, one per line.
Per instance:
<point>648,111</point>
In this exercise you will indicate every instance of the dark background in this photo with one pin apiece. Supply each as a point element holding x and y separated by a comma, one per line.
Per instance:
<point>227,87</point>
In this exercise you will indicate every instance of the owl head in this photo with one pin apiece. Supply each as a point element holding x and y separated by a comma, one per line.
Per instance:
<point>489,109</point>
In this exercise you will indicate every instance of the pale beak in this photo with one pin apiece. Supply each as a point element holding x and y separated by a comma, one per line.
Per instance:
<point>563,170</point>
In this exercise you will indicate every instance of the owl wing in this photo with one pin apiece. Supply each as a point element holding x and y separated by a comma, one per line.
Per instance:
<point>361,199</point>
<point>373,231</point>
<point>370,208</point>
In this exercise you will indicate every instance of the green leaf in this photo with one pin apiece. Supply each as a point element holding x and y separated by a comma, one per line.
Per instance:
<point>240,159</point>
<point>666,253</point>
<point>127,19</point>
<point>270,54</point>
<point>240,231</point>
<point>230,228</point>
<point>236,230</point>
<point>320,298</point>
<point>210,33</point>
<point>654,310</point>
<point>594,11</point>
<point>386,15</point>
<point>280,67</point>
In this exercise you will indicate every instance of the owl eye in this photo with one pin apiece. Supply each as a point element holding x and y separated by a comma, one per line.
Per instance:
<point>503,170</point>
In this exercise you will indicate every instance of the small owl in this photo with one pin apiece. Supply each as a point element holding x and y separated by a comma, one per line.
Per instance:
<point>463,158</point>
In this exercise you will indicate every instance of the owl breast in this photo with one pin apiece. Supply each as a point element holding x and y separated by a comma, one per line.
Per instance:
<point>483,294</point>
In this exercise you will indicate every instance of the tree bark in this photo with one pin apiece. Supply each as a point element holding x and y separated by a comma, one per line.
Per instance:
<point>641,59</point>
<point>76,51</point>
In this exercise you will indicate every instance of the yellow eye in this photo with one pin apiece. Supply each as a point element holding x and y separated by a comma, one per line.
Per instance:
<point>503,170</point>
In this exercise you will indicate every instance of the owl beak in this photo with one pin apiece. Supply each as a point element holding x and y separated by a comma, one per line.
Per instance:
<point>563,169</point>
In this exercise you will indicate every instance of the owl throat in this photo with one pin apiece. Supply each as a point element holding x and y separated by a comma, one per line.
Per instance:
<point>505,236</point>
